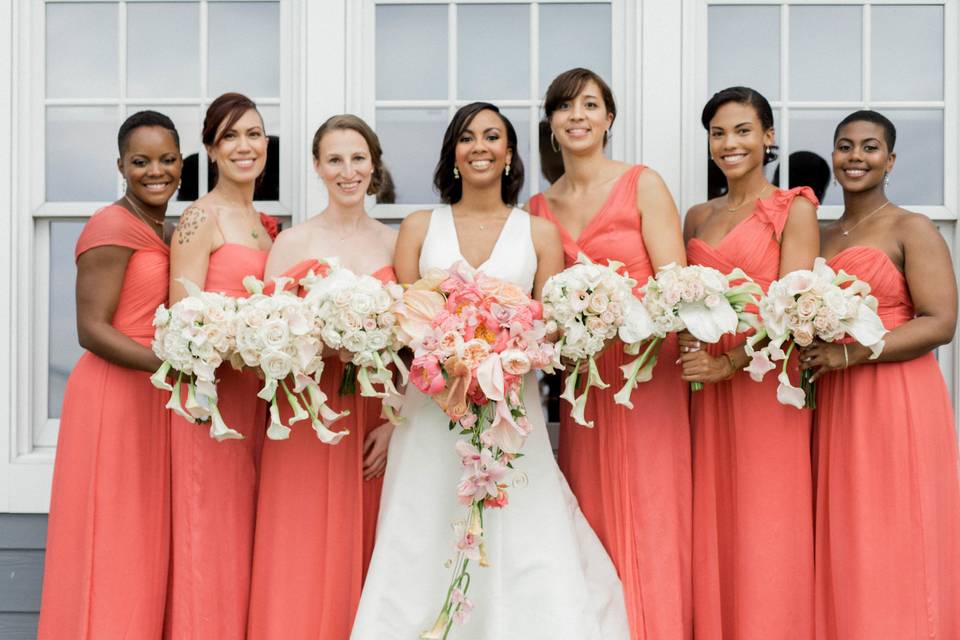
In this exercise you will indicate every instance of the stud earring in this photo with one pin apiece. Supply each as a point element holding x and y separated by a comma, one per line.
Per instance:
<point>553,142</point>
<point>456,173</point>
<point>506,170</point>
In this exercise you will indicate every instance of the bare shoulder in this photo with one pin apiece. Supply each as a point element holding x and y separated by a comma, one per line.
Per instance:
<point>289,240</point>
<point>696,216</point>
<point>650,178</point>
<point>543,228</point>
<point>802,206</point>
<point>385,231</point>
<point>198,219</point>
<point>418,220</point>
<point>911,226</point>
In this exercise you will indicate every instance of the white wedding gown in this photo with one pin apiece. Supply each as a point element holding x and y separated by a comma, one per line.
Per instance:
<point>549,578</point>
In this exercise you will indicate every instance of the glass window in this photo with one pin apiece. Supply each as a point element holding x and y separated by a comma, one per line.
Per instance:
<point>825,53</point>
<point>82,63</point>
<point>482,76</point>
<point>411,52</point>
<point>162,50</point>
<point>744,48</point>
<point>244,48</point>
<point>62,329</point>
<point>907,52</point>
<point>411,142</point>
<point>81,154</point>
<point>587,25</point>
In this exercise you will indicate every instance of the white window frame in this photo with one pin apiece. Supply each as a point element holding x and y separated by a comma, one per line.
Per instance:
<point>26,468</point>
<point>361,97</point>
<point>695,95</point>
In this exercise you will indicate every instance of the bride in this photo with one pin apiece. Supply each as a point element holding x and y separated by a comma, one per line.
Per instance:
<point>549,577</point>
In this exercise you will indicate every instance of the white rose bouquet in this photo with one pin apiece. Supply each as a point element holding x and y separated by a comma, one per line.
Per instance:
<point>591,304</point>
<point>194,337</point>
<point>280,335</point>
<point>356,314</point>
<point>802,306</point>
<point>701,300</point>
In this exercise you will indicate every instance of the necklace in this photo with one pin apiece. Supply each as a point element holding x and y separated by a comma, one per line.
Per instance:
<point>746,200</point>
<point>846,232</point>
<point>140,214</point>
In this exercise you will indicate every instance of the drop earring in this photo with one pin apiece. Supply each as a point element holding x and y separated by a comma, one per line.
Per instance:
<point>456,173</point>
<point>123,187</point>
<point>506,170</point>
<point>886,179</point>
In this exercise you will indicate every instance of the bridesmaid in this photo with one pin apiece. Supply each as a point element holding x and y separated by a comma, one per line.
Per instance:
<point>888,497</point>
<point>631,473</point>
<point>220,239</point>
<point>109,533</point>
<point>318,503</point>
<point>752,477</point>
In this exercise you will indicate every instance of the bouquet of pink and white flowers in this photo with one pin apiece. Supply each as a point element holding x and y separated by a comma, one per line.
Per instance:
<point>474,338</point>
<point>591,304</point>
<point>279,335</point>
<point>802,306</point>
<point>357,316</point>
<point>701,300</point>
<point>194,337</point>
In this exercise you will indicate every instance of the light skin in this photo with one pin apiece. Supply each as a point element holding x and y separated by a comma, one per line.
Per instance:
<point>481,156</point>
<point>151,164</point>
<point>343,230</point>
<point>226,214</point>
<point>861,158</point>
<point>737,145</point>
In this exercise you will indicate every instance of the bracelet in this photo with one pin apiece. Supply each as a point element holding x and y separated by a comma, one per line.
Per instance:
<point>846,357</point>
<point>733,365</point>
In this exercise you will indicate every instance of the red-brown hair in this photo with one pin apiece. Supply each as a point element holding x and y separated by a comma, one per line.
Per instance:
<point>223,113</point>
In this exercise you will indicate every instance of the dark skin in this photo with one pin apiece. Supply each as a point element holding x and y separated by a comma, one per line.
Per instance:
<point>151,164</point>
<point>737,141</point>
<point>861,158</point>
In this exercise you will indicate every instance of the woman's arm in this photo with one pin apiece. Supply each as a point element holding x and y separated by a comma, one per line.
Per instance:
<point>100,273</point>
<point>190,249</point>
<point>406,255</point>
<point>284,253</point>
<point>549,248</point>
<point>800,242</point>
<point>659,220</point>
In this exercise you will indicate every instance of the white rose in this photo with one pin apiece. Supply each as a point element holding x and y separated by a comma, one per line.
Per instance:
<point>807,306</point>
<point>598,302</point>
<point>274,333</point>
<point>515,362</point>
<point>331,337</point>
<point>161,317</point>
<point>275,364</point>
<point>354,341</point>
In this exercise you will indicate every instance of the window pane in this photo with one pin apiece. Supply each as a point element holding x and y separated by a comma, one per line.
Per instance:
<point>64,350</point>
<point>411,146</point>
<point>520,118</point>
<point>244,48</point>
<point>917,178</point>
<point>734,59</point>
<point>81,153</point>
<point>411,52</point>
<point>502,33</point>
<point>588,25</point>
<point>812,132</point>
<point>82,62</point>
<point>907,52</point>
<point>163,40</point>
<point>825,53</point>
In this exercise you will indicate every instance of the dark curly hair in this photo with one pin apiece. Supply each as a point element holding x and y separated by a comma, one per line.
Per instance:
<point>451,189</point>
<point>144,119</point>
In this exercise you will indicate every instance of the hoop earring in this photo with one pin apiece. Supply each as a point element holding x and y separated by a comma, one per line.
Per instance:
<point>456,173</point>
<point>506,170</point>
<point>553,143</point>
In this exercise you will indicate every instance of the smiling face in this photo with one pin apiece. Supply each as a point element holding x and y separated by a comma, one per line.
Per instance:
<point>482,150</point>
<point>345,165</point>
<point>241,153</point>
<point>581,122</point>
<point>151,165</point>
<point>737,139</point>
<point>861,157</point>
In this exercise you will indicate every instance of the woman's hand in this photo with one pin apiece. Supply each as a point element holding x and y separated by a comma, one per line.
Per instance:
<point>829,356</point>
<point>375,451</point>
<point>700,366</point>
<point>688,343</point>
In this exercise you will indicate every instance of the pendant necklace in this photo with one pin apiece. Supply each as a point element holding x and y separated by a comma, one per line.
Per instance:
<point>846,232</point>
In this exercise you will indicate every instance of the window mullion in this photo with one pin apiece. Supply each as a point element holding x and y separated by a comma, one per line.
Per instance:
<point>452,58</point>
<point>867,63</point>
<point>122,70</point>
<point>533,150</point>
<point>202,185</point>
<point>784,133</point>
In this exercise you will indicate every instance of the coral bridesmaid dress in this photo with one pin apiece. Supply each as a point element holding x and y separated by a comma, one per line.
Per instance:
<point>752,473</point>
<point>109,532</point>
<point>215,487</point>
<point>316,518</point>
<point>631,473</point>
<point>888,495</point>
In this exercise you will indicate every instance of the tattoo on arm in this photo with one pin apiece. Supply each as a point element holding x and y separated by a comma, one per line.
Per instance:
<point>190,222</point>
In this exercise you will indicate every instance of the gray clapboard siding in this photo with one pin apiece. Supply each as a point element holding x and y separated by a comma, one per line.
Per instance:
<point>22,540</point>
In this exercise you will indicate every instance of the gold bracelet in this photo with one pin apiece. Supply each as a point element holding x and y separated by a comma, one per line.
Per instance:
<point>733,365</point>
<point>846,357</point>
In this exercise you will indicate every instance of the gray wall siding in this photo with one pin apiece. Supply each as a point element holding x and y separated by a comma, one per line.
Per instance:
<point>22,540</point>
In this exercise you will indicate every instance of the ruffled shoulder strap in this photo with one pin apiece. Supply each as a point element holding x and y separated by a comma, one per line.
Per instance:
<point>270,224</point>
<point>297,272</point>
<point>775,209</point>
<point>115,226</point>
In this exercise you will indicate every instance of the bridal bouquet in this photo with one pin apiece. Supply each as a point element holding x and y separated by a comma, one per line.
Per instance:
<point>474,338</point>
<point>279,334</point>
<point>802,306</point>
<point>193,337</point>
<point>591,304</point>
<point>357,316</point>
<point>701,300</point>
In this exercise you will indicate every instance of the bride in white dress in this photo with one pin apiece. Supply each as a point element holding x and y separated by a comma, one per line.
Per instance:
<point>549,577</point>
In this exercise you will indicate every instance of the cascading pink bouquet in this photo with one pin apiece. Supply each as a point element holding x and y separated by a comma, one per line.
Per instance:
<point>804,305</point>
<point>474,338</point>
